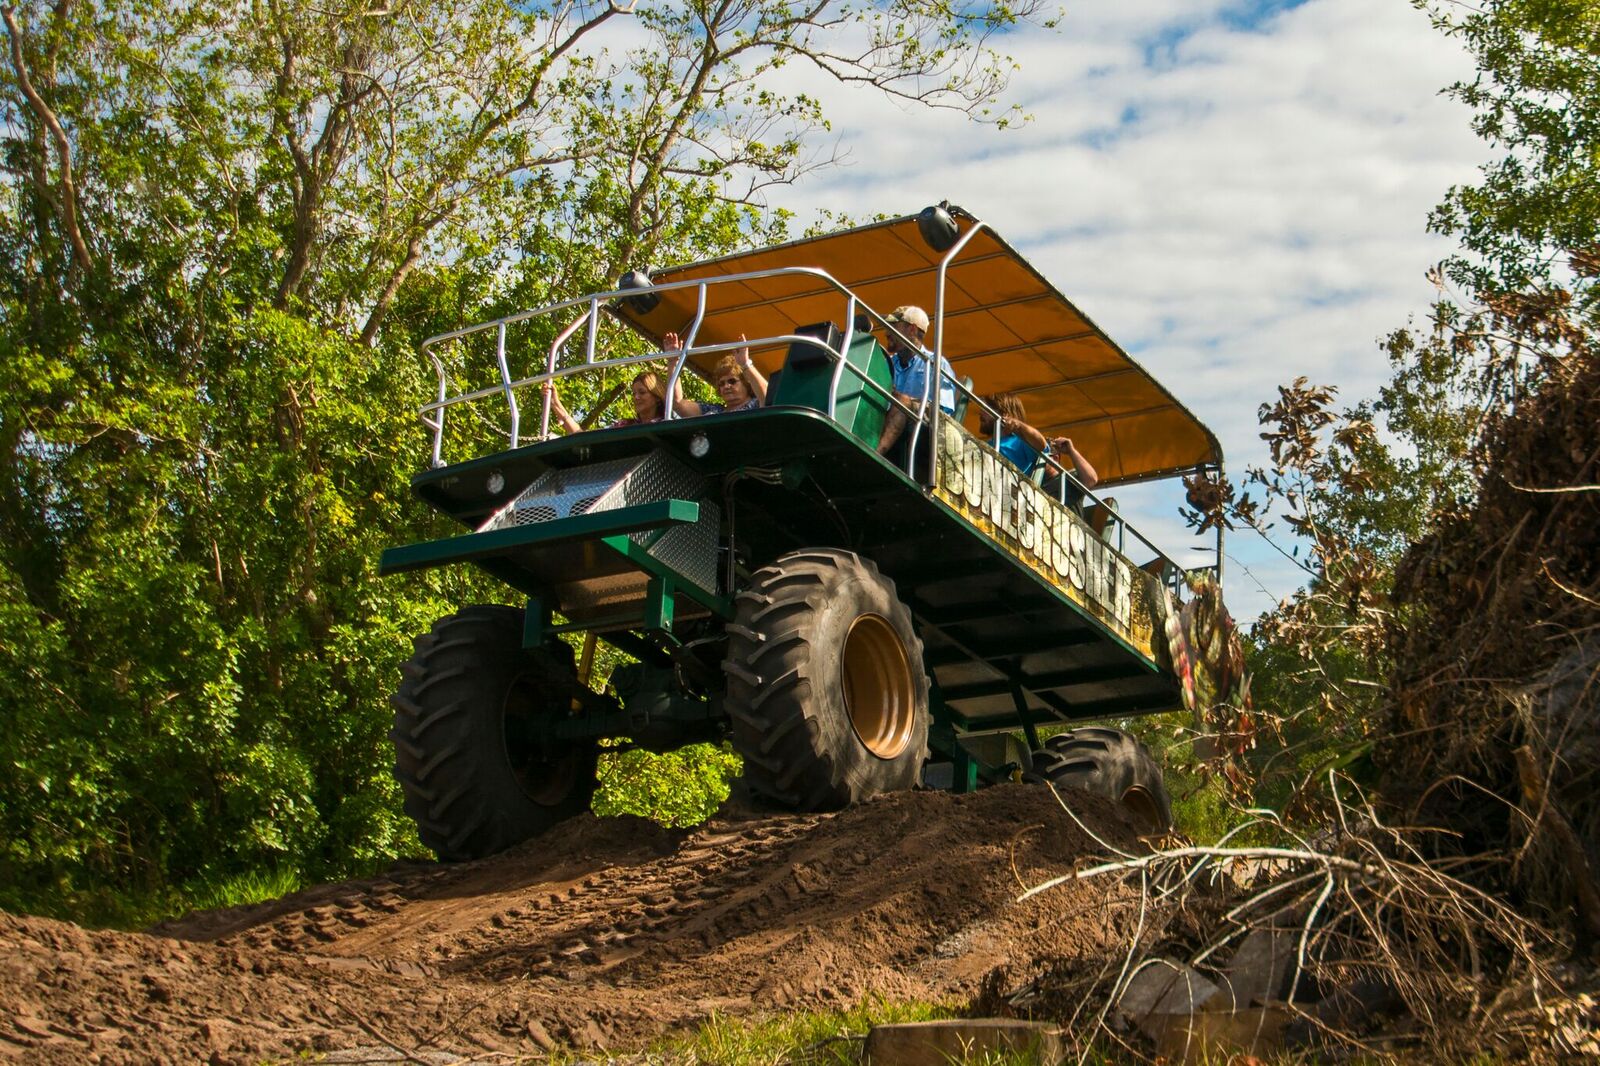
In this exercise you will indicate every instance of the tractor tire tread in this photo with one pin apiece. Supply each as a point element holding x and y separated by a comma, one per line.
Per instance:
<point>1110,763</point>
<point>449,741</point>
<point>773,666</point>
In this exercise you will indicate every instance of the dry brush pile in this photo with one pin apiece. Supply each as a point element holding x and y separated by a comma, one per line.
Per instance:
<point>1451,908</point>
<point>1354,944</point>
<point>1494,733</point>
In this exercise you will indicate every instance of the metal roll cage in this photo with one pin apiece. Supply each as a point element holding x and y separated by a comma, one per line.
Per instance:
<point>923,415</point>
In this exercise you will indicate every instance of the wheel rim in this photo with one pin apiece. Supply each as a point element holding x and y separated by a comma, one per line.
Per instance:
<point>879,693</point>
<point>545,769</point>
<point>1143,806</point>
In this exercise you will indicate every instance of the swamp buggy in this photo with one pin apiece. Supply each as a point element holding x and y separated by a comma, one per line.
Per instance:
<point>852,627</point>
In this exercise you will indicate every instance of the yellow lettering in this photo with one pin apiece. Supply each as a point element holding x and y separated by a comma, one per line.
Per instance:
<point>993,498</point>
<point>972,471</point>
<point>1027,515</point>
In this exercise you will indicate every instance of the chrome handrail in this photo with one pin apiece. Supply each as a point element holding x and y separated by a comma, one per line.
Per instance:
<point>505,385</point>
<point>556,345</point>
<point>1123,526</point>
<point>591,319</point>
<point>844,346</point>
<point>687,340</point>
<point>937,413</point>
<point>433,414</point>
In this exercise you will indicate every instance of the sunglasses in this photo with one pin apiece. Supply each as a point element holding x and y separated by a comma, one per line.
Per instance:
<point>721,382</point>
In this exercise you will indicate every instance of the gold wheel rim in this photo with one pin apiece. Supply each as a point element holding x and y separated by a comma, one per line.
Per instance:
<point>1142,805</point>
<point>879,693</point>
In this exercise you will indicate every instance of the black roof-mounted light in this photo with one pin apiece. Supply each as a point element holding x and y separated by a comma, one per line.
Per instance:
<point>645,302</point>
<point>938,226</point>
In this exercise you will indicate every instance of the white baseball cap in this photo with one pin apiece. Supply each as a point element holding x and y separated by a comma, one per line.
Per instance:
<point>911,315</point>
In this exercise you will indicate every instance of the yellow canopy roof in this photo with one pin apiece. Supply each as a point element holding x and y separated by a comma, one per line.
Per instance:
<point>1005,326</point>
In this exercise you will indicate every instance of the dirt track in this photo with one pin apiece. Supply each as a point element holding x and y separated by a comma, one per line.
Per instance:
<point>604,934</point>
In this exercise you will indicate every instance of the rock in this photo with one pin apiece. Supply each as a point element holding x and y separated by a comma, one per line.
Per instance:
<point>1190,1018</point>
<point>1199,1037</point>
<point>960,1039</point>
<point>1356,1006</point>
<point>1164,987</point>
<point>1261,968</point>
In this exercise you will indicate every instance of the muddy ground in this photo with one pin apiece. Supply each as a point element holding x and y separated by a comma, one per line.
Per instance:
<point>604,934</point>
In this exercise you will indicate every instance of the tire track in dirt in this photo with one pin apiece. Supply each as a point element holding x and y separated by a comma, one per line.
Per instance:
<point>605,932</point>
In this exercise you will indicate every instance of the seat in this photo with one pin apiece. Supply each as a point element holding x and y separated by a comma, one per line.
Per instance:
<point>963,394</point>
<point>1099,517</point>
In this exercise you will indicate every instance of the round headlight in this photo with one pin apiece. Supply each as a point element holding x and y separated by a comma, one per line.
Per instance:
<point>497,482</point>
<point>699,445</point>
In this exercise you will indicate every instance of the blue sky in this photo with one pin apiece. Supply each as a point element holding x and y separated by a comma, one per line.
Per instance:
<point>1237,192</point>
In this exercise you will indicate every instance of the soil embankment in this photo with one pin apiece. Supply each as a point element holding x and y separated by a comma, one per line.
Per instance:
<point>603,934</point>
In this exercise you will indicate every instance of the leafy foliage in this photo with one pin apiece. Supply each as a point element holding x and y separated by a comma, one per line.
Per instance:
<point>1349,491</point>
<point>1493,720</point>
<point>223,230</point>
<point>676,788</point>
<point>1536,98</point>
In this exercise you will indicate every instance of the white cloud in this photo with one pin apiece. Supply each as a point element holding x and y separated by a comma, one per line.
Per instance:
<point>1242,207</point>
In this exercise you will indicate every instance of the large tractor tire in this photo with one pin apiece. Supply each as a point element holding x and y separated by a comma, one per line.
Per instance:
<point>826,687</point>
<point>473,749</point>
<point>1110,763</point>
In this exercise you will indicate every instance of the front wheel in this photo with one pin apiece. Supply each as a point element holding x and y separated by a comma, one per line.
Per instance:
<point>826,687</point>
<point>1110,763</point>
<point>476,751</point>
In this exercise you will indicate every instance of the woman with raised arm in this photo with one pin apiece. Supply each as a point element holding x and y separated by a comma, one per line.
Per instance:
<point>736,378</point>
<point>649,395</point>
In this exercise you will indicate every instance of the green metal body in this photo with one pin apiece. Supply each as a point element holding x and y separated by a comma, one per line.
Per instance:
<point>1005,648</point>
<point>860,410</point>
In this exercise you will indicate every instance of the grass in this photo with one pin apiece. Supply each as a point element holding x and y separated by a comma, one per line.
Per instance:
<point>826,1038</point>
<point>254,886</point>
<point>822,1039</point>
<point>131,910</point>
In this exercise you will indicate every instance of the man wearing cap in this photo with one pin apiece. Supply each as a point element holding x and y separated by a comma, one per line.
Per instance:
<point>908,362</point>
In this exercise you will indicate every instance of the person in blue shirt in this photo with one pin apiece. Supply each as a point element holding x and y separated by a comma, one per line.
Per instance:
<point>1020,444</point>
<point>908,363</point>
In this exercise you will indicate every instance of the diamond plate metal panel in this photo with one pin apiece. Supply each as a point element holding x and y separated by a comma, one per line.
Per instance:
<point>657,476</point>
<point>561,493</point>
<point>690,551</point>
<point>595,595</point>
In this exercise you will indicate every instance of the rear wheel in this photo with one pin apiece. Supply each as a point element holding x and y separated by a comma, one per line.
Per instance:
<point>475,752</point>
<point>1110,763</point>
<point>826,688</point>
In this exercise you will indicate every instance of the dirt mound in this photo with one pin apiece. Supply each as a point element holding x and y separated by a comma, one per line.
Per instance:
<point>603,934</point>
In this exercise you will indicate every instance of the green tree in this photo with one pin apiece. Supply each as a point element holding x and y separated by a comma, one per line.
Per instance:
<point>1354,489</point>
<point>223,230</point>
<point>1536,100</point>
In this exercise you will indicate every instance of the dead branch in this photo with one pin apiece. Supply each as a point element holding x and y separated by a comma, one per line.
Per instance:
<point>1572,850</point>
<point>1566,488</point>
<point>1373,913</point>
<point>372,1031</point>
